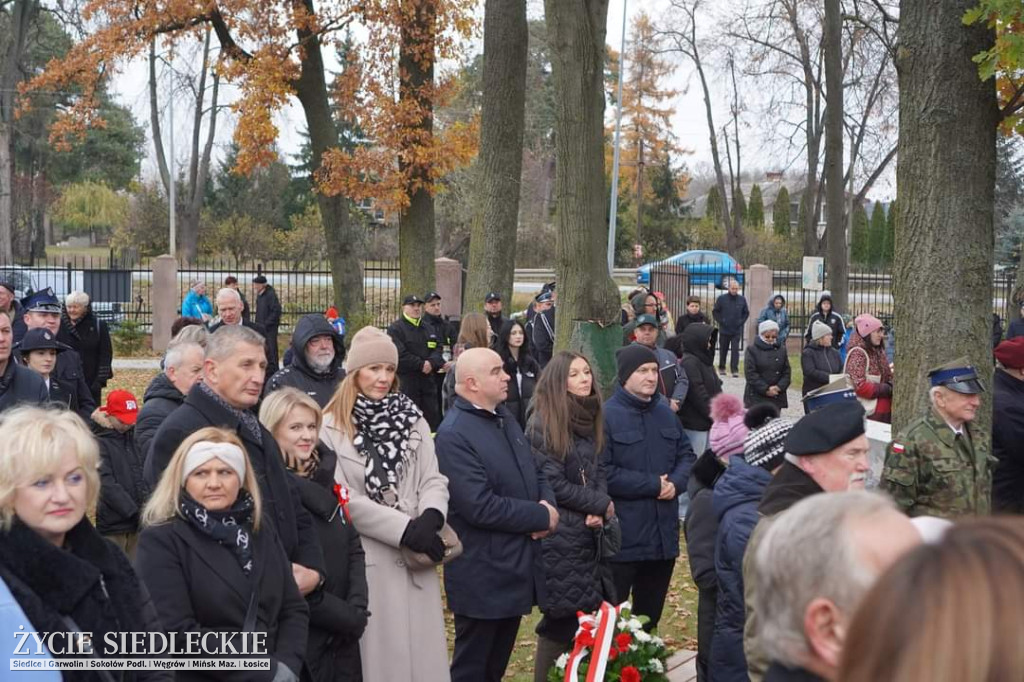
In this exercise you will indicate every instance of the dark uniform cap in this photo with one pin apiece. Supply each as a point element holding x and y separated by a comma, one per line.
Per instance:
<point>958,375</point>
<point>839,390</point>
<point>825,430</point>
<point>41,339</point>
<point>43,301</point>
<point>259,279</point>
<point>411,298</point>
<point>492,296</point>
<point>543,297</point>
<point>641,320</point>
<point>431,296</point>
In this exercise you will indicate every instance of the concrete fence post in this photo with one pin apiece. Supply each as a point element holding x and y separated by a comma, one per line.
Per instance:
<point>757,289</point>
<point>165,298</point>
<point>448,280</point>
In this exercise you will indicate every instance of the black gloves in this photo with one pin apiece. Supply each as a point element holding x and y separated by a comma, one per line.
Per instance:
<point>421,534</point>
<point>885,390</point>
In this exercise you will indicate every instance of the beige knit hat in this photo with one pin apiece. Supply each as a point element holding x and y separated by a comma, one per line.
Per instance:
<point>370,346</point>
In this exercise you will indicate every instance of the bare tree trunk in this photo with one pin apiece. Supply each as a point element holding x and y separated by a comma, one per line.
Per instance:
<point>837,265</point>
<point>492,244</point>
<point>946,186</point>
<point>344,236</point>
<point>737,215</point>
<point>416,228</point>
<point>588,300</point>
<point>6,196</point>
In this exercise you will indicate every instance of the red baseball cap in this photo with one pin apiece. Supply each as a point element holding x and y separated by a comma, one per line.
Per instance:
<point>123,405</point>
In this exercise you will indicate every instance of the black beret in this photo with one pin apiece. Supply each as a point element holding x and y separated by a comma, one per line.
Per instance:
<point>825,430</point>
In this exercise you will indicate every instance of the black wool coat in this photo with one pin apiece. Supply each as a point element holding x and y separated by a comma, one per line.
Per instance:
<point>20,385</point>
<point>89,581</point>
<point>160,399</point>
<point>123,489</point>
<point>198,586</point>
<point>817,364</point>
<point>90,336</point>
<point>698,344</point>
<point>281,502</point>
<point>572,555</point>
<point>765,366</point>
<point>337,611</point>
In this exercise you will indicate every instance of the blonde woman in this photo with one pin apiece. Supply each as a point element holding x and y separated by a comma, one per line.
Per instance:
<point>337,612</point>
<point>58,568</point>
<point>212,561</point>
<point>399,500</point>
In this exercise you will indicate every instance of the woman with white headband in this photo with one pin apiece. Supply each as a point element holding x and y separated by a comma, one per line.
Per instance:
<point>214,564</point>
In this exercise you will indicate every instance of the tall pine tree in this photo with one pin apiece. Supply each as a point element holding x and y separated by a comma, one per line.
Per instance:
<point>860,237</point>
<point>889,246</point>
<point>876,236</point>
<point>780,213</point>
<point>755,209</point>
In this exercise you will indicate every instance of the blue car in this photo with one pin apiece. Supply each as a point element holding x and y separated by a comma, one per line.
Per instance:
<point>704,267</point>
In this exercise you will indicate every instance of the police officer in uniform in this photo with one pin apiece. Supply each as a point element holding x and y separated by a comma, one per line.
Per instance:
<point>42,311</point>
<point>542,336</point>
<point>419,357</point>
<point>939,465</point>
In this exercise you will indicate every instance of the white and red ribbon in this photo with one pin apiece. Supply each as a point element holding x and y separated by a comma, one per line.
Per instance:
<point>602,626</point>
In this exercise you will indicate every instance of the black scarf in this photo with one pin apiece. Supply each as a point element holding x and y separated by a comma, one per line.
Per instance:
<point>232,528</point>
<point>384,428</point>
<point>583,414</point>
<point>246,418</point>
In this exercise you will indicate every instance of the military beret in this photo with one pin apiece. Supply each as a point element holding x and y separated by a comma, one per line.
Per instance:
<point>825,430</point>
<point>1010,353</point>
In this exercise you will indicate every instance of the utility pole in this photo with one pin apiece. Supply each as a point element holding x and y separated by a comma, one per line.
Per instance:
<point>639,248</point>
<point>172,199</point>
<point>614,210</point>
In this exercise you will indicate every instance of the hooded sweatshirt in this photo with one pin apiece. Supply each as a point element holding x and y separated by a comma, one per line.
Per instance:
<point>698,343</point>
<point>832,319</point>
<point>779,317</point>
<point>319,386</point>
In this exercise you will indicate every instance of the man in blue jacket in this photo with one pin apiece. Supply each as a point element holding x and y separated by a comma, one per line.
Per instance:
<point>501,506</point>
<point>648,462</point>
<point>730,312</point>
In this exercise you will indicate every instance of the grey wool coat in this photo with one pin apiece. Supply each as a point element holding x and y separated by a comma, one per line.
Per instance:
<point>405,635</point>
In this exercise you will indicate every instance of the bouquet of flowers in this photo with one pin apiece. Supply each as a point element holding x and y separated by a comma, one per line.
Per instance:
<point>611,645</point>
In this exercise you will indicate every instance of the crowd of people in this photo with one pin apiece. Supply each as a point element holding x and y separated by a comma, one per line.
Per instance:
<point>315,502</point>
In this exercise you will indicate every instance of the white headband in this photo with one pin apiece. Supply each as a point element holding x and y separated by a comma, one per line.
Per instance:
<point>203,451</point>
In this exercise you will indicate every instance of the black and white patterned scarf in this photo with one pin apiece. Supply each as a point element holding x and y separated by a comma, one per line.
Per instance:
<point>384,426</point>
<point>232,528</point>
<point>246,418</point>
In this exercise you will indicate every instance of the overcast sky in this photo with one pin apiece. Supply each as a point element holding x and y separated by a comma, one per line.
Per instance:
<point>688,124</point>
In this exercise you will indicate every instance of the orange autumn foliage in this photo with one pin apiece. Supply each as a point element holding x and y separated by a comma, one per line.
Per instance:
<point>262,53</point>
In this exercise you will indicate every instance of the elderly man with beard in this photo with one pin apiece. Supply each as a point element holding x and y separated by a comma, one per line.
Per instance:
<point>939,464</point>
<point>827,451</point>
<point>317,352</point>
<point>814,566</point>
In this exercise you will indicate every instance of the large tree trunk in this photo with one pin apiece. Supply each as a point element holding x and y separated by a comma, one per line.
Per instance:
<point>343,234</point>
<point>837,266</point>
<point>492,244</point>
<point>588,300</point>
<point>6,196</point>
<point>416,228</point>
<point>945,181</point>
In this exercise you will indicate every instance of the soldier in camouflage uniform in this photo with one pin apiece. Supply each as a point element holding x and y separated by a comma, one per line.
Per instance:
<point>939,465</point>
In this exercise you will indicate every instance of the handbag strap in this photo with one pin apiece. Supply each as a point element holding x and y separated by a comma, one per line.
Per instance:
<point>867,359</point>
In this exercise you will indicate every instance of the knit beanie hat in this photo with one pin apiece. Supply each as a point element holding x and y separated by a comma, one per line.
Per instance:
<point>767,326</point>
<point>630,358</point>
<point>370,346</point>
<point>819,329</point>
<point>764,446</point>
<point>728,430</point>
<point>866,324</point>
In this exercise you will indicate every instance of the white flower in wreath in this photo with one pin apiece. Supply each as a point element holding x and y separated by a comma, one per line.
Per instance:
<point>626,606</point>
<point>635,625</point>
<point>562,661</point>
<point>643,637</point>
<point>655,666</point>
<point>634,647</point>
<point>658,641</point>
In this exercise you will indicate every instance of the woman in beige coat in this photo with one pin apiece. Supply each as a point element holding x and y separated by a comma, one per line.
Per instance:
<point>399,499</point>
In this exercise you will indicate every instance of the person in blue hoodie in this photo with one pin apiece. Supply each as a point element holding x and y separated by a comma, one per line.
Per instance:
<point>196,303</point>
<point>775,310</point>
<point>648,461</point>
<point>736,496</point>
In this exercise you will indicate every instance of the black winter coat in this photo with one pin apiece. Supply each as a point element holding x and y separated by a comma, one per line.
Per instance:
<point>90,336</point>
<point>90,581</point>
<point>123,489</point>
<point>495,491</point>
<point>281,501</point>
<point>1007,439</point>
<point>523,377</point>
<point>20,385</point>
<point>765,366</point>
<point>61,395</point>
<point>686,319</point>
<point>698,344</point>
<point>337,611</point>
<point>319,386</point>
<point>817,363</point>
<point>572,555</point>
<point>543,336</point>
<point>416,343</point>
<point>68,371</point>
<point>198,586</point>
<point>731,312</point>
<point>160,399</point>
<point>268,310</point>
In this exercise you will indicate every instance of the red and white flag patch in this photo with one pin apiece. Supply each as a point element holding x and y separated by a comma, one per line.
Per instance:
<point>898,448</point>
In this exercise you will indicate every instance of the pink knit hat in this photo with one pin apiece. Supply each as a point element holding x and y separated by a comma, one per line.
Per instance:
<point>728,432</point>
<point>866,324</point>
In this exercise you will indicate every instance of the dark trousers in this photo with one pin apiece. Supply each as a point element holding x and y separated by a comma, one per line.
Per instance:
<point>422,389</point>
<point>726,343</point>
<point>707,603</point>
<point>645,584</point>
<point>271,347</point>
<point>482,648</point>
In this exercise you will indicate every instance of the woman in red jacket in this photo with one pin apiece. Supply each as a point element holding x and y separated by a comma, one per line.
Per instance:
<point>868,367</point>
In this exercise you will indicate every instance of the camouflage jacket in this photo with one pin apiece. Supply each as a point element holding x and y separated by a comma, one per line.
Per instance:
<point>929,470</point>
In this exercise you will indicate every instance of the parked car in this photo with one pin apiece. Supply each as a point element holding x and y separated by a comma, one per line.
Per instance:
<point>704,267</point>
<point>20,278</point>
